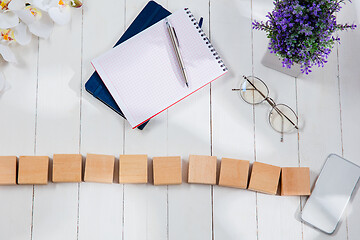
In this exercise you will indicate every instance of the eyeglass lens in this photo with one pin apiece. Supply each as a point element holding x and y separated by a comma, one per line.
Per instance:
<point>279,118</point>
<point>255,91</point>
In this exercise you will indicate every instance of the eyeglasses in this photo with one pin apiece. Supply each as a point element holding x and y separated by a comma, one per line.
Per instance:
<point>281,117</point>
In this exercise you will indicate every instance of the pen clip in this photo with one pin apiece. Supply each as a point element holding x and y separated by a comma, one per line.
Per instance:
<point>201,22</point>
<point>177,40</point>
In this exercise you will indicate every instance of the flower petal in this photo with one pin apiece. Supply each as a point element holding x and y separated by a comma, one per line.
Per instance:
<point>22,34</point>
<point>7,54</point>
<point>25,15</point>
<point>44,4</point>
<point>60,15</point>
<point>8,20</point>
<point>42,27</point>
<point>16,5</point>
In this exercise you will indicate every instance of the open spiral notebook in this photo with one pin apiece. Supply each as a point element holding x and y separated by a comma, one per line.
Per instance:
<point>143,76</point>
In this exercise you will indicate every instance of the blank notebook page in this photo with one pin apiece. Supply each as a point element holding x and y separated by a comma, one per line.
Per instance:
<point>143,76</point>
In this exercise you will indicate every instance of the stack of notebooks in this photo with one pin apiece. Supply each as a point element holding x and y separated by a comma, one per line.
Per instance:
<point>140,77</point>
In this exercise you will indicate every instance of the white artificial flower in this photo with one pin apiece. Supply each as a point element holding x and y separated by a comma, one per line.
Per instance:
<point>6,38</point>
<point>39,23</point>
<point>60,12</point>
<point>8,19</point>
<point>19,19</point>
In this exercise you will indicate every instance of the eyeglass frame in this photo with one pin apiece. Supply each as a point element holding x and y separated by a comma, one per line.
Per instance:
<point>272,104</point>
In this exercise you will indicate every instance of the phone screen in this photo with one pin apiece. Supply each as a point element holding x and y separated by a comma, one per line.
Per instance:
<point>331,193</point>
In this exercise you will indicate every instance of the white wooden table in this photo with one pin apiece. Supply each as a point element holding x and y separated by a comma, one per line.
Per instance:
<point>47,110</point>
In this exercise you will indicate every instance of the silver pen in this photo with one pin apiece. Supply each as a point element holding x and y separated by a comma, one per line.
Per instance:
<point>175,43</point>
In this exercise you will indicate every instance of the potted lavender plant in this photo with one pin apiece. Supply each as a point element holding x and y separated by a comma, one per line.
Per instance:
<point>301,32</point>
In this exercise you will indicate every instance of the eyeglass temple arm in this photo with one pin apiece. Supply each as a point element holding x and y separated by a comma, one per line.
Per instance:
<point>272,104</point>
<point>255,87</point>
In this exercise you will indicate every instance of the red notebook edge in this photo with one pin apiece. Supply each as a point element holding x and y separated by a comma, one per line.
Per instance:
<point>180,100</point>
<point>176,101</point>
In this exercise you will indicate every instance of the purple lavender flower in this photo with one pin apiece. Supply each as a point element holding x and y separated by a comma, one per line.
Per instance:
<point>301,31</point>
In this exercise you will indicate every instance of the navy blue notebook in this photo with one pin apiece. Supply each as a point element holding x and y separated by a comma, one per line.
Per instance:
<point>151,14</point>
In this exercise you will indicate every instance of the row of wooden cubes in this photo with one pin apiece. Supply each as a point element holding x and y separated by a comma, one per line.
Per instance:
<point>264,177</point>
<point>166,171</point>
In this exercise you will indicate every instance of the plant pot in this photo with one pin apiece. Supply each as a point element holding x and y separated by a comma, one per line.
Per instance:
<point>272,61</point>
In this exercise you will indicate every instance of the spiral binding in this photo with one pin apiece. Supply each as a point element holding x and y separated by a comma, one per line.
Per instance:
<point>206,39</point>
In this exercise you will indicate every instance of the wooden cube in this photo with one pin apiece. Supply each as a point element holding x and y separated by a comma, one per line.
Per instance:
<point>33,170</point>
<point>7,170</point>
<point>234,173</point>
<point>295,181</point>
<point>133,169</point>
<point>202,169</point>
<point>167,170</point>
<point>264,178</point>
<point>99,168</point>
<point>67,168</point>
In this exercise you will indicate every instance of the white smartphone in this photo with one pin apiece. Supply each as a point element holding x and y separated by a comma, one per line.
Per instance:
<point>331,194</point>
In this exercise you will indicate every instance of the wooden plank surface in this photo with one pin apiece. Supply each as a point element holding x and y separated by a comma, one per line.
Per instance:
<point>349,83</point>
<point>215,121</point>
<point>232,119</point>
<point>273,212</point>
<point>58,126</point>
<point>189,132</point>
<point>100,210</point>
<point>17,124</point>
<point>318,107</point>
<point>145,205</point>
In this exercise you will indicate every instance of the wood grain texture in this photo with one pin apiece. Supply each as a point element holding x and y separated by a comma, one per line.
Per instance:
<point>189,127</point>
<point>202,169</point>
<point>17,125</point>
<point>349,84</point>
<point>145,206</point>
<point>232,119</point>
<point>295,181</point>
<point>318,102</point>
<point>99,168</point>
<point>67,168</point>
<point>58,125</point>
<point>167,170</point>
<point>8,170</point>
<point>133,169</point>
<point>264,178</point>
<point>99,206</point>
<point>234,173</point>
<point>33,170</point>
<point>274,222</point>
